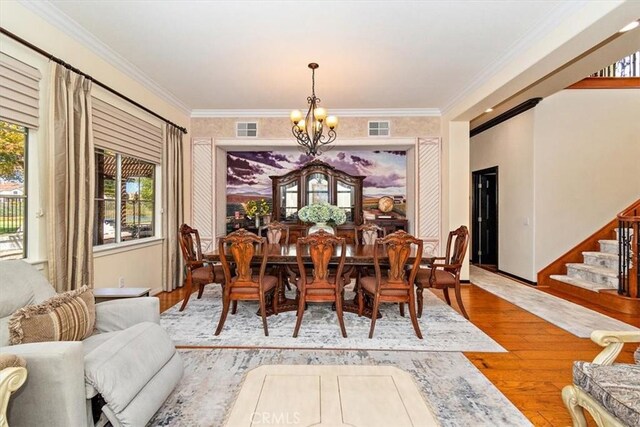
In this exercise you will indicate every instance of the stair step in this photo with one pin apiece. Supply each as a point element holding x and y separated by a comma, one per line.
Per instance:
<point>585,284</point>
<point>605,277</point>
<point>601,259</point>
<point>609,246</point>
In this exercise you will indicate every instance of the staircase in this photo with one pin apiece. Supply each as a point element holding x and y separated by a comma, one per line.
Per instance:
<point>598,271</point>
<point>591,270</point>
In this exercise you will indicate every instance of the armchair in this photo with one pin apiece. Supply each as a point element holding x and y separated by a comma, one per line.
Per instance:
<point>610,392</point>
<point>122,373</point>
<point>445,271</point>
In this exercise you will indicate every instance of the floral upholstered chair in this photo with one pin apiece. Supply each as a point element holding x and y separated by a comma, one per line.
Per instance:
<point>610,392</point>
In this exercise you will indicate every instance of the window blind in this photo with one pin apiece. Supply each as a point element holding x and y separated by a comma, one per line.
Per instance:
<point>124,133</point>
<point>19,92</point>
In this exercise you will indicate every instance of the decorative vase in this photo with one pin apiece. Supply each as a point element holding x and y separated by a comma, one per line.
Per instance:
<point>321,226</point>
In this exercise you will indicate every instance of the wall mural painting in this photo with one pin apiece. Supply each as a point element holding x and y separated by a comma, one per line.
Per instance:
<point>386,175</point>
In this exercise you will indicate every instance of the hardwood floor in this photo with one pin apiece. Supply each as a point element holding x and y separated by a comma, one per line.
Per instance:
<point>539,358</point>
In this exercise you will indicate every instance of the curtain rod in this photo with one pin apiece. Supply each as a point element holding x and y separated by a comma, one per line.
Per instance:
<point>97,82</point>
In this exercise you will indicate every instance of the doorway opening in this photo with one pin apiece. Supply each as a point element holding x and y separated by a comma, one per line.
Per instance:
<point>484,224</point>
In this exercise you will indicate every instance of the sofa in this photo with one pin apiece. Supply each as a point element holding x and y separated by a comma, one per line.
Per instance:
<point>121,374</point>
<point>609,391</point>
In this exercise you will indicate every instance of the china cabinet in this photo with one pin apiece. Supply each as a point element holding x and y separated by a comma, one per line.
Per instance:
<point>317,182</point>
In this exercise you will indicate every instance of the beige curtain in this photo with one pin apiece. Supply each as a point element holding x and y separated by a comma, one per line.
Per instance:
<point>173,206</point>
<point>72,181</point>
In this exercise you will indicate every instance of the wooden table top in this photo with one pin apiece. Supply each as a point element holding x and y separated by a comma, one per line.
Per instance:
<point>287,254</point>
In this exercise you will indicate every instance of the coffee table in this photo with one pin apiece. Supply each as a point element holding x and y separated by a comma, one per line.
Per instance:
<point>354,396</point>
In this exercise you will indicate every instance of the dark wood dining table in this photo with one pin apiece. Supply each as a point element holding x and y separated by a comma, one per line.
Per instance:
<point>356,255</point>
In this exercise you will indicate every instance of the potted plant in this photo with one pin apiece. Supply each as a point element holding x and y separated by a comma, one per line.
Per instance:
<point>256,209</point>
<point>320,214</point>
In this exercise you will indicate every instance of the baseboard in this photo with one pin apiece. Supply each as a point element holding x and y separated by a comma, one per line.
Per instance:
<point>465,281</point>
<point>518,278</point>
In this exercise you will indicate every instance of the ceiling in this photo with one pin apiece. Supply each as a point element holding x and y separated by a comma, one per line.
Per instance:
<point>372,54</point>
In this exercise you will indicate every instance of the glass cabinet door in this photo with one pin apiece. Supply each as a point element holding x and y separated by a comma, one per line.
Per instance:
<point>289,201</point>
<point>346,196</point>
<point>317,188</point>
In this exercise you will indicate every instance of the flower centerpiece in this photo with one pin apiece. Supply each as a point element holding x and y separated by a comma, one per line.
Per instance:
<point>255,209</point>
<point>321,214</point>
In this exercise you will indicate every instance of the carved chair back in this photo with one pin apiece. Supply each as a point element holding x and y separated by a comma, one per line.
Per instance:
<point>457,244</point>
<point>321,248</point>
<point>367,233</point>
<point>190,246</point>
<point>398,247</point>
<point>276,233</point>
<point>242,246</point>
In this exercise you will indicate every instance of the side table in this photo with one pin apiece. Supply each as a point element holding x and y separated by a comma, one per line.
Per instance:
<point>108,294</point>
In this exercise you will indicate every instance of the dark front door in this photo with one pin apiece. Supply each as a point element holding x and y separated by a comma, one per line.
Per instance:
<point>485,217</point>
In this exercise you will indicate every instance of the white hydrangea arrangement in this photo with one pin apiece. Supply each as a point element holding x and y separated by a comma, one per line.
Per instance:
<point>322,212</point>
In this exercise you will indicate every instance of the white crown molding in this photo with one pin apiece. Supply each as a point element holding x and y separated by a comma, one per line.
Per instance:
<point>64,23</point>
<point>345,112</point>
<point>519,47</point>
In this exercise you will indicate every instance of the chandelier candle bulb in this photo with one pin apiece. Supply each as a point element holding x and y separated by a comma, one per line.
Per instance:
<point>332,122</point>
<point>296,116</point>
<point>301,124</point>
<point>320,114</point>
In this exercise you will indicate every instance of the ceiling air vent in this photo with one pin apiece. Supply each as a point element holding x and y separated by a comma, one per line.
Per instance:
<point>379,128</point>
<point>244,129</point>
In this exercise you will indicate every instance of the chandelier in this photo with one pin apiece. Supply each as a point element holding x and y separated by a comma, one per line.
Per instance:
<point>309,131</point>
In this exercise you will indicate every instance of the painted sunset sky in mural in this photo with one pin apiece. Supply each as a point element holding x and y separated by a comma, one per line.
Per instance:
<point>248,172</point>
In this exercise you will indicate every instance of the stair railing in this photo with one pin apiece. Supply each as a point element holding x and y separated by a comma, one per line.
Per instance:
<point>629,247</point>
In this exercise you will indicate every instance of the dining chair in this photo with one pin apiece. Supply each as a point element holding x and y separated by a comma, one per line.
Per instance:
<point>245,285</point>
<point>198,271</point>
<point>445,275</point>
<point>367,233</point>
<point>276,233</point>
<point>394,286</point>
<point>319,284</point>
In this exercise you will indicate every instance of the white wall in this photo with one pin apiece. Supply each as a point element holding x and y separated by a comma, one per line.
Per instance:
<point>569,166</point>
<point>587,165</point>
<point>141,265</point>
<point>510,147</point>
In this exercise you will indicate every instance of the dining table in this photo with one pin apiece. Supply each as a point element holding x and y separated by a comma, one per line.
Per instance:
<point>356,257</point>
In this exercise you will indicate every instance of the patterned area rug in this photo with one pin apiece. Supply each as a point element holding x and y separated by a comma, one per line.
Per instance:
<point>442,327</point>
<point>455,390</point>
<point>573,318</point>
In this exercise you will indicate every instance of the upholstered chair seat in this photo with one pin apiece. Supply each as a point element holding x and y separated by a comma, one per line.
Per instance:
<point>269,282</point>
<point>441,278</point>
<point>369,285</point>
<point>616,387</point>
<point>207,274</point>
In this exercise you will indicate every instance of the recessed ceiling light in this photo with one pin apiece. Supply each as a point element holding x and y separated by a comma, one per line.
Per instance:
<point>488,110</point>
<point>630,26</point>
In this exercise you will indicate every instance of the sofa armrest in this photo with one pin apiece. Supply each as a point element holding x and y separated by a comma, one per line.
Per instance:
<point>54,393</point>
<point>120,314</point>
<point>612,341</point>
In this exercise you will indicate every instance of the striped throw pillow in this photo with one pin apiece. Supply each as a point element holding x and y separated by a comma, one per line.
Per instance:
<point>70,316</point>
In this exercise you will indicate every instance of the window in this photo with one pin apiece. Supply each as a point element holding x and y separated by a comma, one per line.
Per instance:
<point>125,199</point>
<point>13,191</point>
<point>378,128</point>
<point>247,129</point>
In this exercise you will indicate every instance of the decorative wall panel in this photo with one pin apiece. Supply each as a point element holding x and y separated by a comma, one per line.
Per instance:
<point>203,186</point>
<point>429,193</point>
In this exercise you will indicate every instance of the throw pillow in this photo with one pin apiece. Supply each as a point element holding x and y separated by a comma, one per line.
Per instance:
<point>11,361</point>
<point>70,316</point>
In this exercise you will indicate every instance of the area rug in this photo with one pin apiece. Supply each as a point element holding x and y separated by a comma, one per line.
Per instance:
<point>573,318</point>
<point>455,390</point>
<point>442,327</point>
